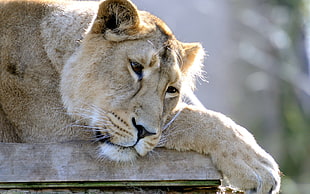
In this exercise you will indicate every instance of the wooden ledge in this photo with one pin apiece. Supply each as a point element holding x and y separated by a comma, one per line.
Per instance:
<point>73,165</point>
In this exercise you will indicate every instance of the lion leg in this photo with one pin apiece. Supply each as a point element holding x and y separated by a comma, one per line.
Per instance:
<point>7,131</point>
<point>232,149</point>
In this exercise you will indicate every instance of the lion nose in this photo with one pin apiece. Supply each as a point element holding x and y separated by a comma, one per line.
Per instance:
<point>142,132</point>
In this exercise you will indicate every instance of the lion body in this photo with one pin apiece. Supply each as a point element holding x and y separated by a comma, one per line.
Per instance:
<point>31,106</point>
<point>60,71</point>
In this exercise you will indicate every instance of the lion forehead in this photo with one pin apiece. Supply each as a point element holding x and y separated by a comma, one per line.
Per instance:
<point>152,20</point>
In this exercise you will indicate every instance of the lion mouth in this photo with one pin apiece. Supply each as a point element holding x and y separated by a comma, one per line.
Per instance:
<point>138,144</point>
<point>113,151</point>
<point>105,139</point>
<point>141,133</point>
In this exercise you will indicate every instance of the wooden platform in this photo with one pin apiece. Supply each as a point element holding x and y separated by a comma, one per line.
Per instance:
<point>54,166</point>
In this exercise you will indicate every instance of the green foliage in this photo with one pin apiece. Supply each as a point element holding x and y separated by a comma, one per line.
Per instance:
<point>295,137</point>
<point>295,120</point>
<point>291,4</point>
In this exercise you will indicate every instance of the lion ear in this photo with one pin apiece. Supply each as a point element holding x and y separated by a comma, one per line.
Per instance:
<point>193,55</point>
<point>120,17</point>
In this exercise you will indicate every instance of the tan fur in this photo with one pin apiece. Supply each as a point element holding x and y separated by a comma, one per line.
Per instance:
<point>111,73</point>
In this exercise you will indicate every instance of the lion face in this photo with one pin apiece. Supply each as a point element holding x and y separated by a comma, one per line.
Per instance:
<point>126,78</point>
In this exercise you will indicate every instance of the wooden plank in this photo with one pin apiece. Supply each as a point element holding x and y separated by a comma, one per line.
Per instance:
<point>75,162</point>
<point>112,184</point>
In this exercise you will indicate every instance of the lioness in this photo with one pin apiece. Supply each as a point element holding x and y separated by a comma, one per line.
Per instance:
<point>114,74</point>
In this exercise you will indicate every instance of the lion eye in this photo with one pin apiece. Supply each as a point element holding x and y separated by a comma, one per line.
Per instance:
<point>138,69</point>
<point>172,90</point>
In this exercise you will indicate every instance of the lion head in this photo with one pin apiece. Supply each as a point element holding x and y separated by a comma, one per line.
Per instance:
<point>126,78</point>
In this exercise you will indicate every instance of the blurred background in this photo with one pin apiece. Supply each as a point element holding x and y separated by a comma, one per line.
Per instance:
<point>257,70</point>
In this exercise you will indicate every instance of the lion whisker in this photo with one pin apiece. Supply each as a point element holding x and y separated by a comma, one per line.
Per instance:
<point>104,137</point>
<point>71,124</point>
<point>89,127</point>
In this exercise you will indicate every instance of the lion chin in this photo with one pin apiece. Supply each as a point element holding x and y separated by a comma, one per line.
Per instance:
<point>117,153</point>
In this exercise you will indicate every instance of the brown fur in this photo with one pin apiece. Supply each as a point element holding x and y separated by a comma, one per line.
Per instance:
<point>67,73</point>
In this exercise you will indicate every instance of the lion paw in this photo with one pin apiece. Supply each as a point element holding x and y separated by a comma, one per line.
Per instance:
<point>256,174</point>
